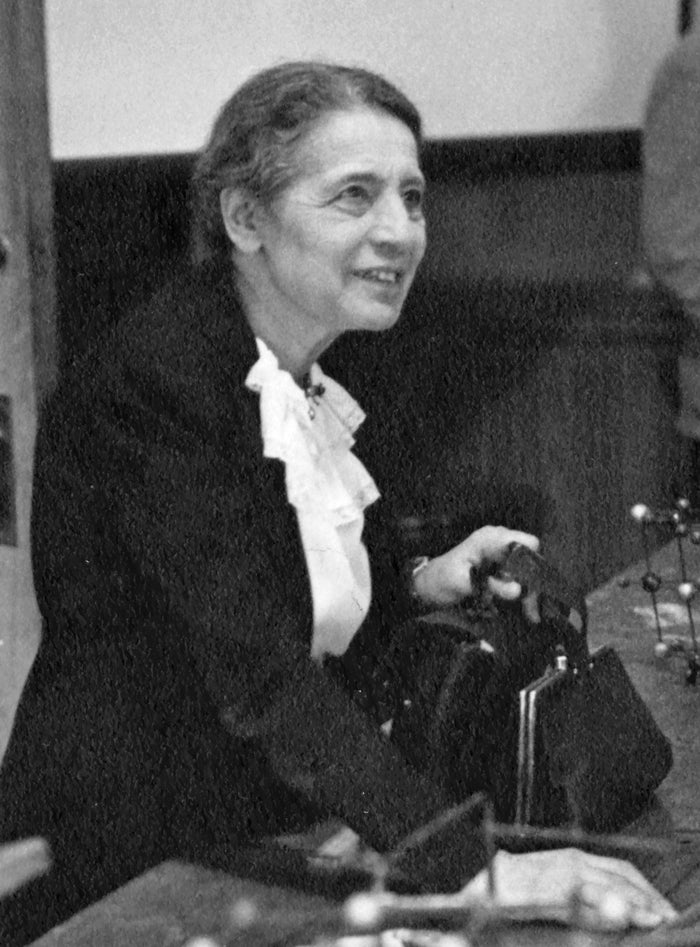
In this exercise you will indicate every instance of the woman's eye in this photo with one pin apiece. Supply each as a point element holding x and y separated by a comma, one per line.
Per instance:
<point>355,197</point>
<point>413,198</point>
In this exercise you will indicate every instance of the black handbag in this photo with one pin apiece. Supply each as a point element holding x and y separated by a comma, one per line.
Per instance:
<point>496,703</point>
<point>589,751</point>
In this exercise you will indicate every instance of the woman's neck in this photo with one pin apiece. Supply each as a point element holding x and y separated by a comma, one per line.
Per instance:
<point>295,344</point>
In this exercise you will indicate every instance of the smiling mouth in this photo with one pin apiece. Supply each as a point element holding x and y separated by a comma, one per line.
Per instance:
<point>382,275</point>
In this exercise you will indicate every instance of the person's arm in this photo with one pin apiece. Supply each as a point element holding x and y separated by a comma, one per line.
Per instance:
<point>671,176</point>
<point>136,533</point>
<point>166,527</point>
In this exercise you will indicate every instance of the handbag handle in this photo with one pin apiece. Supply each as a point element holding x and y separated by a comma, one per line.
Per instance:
<point>536,574</point>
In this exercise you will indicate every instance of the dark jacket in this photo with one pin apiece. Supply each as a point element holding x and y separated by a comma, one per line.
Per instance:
<point>173,706</point>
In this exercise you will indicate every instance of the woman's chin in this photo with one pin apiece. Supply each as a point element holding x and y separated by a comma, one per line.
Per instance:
<point>377,318</point>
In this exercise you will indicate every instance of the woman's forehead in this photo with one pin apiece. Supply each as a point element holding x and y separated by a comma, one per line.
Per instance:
<point>362,139</point>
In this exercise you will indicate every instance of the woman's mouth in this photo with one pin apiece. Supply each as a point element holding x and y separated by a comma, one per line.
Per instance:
<point>383,275</point>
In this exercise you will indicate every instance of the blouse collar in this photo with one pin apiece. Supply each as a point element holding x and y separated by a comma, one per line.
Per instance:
<point>313,436</point>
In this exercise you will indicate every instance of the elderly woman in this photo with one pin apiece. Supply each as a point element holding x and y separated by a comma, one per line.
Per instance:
<point>207,544</point>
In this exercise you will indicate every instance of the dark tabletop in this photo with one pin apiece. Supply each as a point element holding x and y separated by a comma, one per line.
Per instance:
<point>175,902</point>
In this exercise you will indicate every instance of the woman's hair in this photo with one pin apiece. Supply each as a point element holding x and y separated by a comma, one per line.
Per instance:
<point>254,141</point>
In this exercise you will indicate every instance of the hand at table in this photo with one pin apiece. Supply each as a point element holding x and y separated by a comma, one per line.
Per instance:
<point>447,579</point>
<point>592,891</point>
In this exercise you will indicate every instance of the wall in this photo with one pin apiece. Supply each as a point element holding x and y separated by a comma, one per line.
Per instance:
<point>147,78</point>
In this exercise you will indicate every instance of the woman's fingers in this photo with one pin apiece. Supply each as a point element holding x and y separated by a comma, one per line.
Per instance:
<point>448,578</point>
<point>504,588</point>
<point>491,543</point>
<point>614,894</point>
<point>642,896</point>
<point>590,890</point>
<point>607,907</point>
<point>602,909</point>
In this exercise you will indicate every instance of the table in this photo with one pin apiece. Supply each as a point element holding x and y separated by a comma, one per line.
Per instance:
<point>621,613</point>
<point>175,901</point>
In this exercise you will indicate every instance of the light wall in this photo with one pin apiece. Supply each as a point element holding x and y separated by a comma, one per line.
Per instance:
<point>135,77</point>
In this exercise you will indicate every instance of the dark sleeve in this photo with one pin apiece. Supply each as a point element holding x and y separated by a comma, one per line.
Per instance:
<point>149,521</point>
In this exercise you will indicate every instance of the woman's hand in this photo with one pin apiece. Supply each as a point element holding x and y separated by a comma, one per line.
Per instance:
<point>572,886</point>
<point>447,579</point>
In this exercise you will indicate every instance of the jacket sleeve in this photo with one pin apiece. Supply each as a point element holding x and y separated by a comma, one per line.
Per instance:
<point>671,175</point>
<point>148,523</point>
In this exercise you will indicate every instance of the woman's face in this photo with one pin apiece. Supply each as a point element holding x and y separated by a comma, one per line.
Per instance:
<point>341,244</point>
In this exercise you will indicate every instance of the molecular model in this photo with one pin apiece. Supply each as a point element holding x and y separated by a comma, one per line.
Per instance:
<point>685,523</point>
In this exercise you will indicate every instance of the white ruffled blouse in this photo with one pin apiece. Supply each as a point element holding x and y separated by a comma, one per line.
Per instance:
<point>329,488</point>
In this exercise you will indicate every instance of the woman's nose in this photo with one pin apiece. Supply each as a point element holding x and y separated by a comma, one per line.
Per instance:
<point>393,224</point>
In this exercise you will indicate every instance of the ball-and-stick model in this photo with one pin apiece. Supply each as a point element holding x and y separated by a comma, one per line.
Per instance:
<point>683,520</point>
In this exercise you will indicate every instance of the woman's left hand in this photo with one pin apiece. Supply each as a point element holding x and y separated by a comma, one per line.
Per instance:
<point>572,886</point>
<point>447,579</point>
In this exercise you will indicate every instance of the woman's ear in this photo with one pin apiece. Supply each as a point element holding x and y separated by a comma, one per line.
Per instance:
<point>240,215</point>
